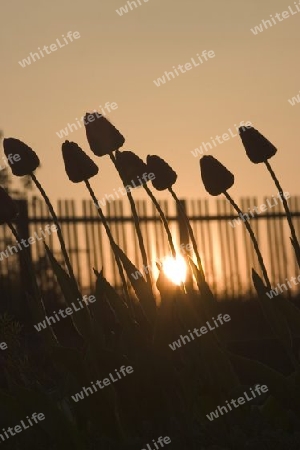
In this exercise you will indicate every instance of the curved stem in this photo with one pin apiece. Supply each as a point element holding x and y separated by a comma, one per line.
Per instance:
<point>253,238</point>
<point>137,226</point>
<point>111,239</point>
<point>163,218</point>
<point>59,232</point>
<point>287,211</point>
<point>190,230</point>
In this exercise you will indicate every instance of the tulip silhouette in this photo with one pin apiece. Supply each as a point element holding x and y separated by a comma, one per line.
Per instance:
<point>164,179</point>
<point>124,174</point>
<point>130,166</point>
<point>165,176</point>
<point>26,164</point>
<point>80,167</point>
<point>217,179</point>
<point>259,150</point>
<point>102,136</point>
<point>21,158</point>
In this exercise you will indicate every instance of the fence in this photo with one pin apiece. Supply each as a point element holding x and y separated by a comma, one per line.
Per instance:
<point>226,250</point>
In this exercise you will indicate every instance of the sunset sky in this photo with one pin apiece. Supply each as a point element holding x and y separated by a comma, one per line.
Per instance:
<point>116,60</point>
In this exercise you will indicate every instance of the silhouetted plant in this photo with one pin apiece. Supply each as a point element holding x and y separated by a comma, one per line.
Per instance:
<point>259,150</point>
<point>217,179</point>
<point>165,178</point>
<point>26,165</point>
<point>104,139</point>
<point>133,169</point>
<point>80,168</point>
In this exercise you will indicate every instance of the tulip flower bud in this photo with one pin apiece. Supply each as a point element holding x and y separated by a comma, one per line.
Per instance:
<point>216,178</point>
<point>8,209</point>
<point>257,147</point>
<point>78,165</point>
<point>131,167</point>
<point>21,158</point>
<point>165,176</point>
<point>102,136</point>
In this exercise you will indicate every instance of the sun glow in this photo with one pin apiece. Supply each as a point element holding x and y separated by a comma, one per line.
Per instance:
<point>175,269</point>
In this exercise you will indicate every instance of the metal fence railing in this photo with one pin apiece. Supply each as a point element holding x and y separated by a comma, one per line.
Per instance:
<point>225,249</point>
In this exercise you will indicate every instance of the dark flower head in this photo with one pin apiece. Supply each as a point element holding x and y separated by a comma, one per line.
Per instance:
<point>257,147</point>
<point>102,136</point>
<point>8,208</point>
<point>216,178</point>
<point>165,176</point>
<point>21,158</point>
<point>131,167</point>
<point>78,165</point>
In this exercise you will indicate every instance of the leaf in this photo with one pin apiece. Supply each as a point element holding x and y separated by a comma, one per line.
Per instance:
<point>206,304</point>
<point>132,327</point>
<point>274,317</point>
<point>202,284</point>
<point>139,285</point>
<point>80,320</point>
<point>103,287</point>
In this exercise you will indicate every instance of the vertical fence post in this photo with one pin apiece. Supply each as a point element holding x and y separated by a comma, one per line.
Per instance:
<point>184,238</point>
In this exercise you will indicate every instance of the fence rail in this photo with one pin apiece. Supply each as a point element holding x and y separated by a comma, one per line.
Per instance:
<point>225,249</point>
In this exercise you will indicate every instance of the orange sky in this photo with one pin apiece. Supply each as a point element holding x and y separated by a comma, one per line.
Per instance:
<point>117,58</point>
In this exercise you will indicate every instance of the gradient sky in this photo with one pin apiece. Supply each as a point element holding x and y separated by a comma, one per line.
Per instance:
<point>117,58</point>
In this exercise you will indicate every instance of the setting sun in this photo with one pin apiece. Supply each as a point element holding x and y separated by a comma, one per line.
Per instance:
<point>175,269</point>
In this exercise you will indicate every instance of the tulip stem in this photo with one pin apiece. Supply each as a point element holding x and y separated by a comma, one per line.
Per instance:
<point>59,232</point>
<point>253,238</point>
<point>137,225</point>
<point>190,230</point>
<point>111,239</point>
<point>294,239</point>
<point>163,218</point>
